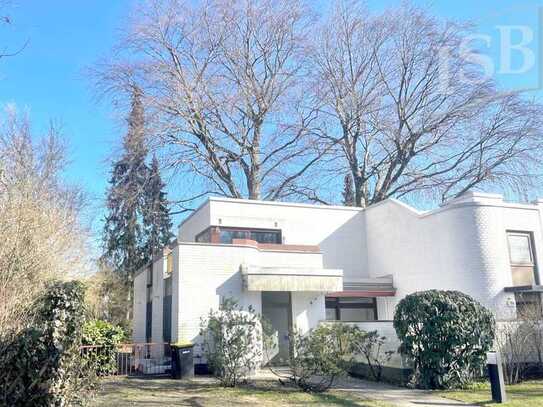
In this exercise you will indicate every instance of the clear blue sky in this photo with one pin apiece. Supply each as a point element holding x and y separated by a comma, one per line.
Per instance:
<point>65,36</point>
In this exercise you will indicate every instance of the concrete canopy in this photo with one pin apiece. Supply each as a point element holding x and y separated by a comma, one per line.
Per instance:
<point>291,279</point>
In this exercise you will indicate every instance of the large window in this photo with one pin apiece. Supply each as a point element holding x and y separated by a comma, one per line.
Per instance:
<point>350,309</point>
<point>226,235</point>
<point>522,258</point>
<point>149,306</point>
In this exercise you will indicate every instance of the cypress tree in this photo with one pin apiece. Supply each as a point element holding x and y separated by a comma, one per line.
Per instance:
<point>156,217</point>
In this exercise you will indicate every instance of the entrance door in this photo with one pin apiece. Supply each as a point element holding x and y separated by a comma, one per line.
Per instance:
<point>277,310</point>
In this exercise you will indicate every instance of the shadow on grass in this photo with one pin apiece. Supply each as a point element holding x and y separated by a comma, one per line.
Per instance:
<point>207,391</point>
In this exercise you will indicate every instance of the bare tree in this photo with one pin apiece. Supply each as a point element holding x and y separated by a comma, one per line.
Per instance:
<point>5,20</point>
<point>412,115</point>
<point>223,83</point>
<point>40,224</point>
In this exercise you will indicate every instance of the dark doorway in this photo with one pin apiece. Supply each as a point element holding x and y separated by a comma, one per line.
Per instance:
<point>277,310</point>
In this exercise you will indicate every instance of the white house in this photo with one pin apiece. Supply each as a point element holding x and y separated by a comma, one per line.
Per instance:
<point>299,264</point>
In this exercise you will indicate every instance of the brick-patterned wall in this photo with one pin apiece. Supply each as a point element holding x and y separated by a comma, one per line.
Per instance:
<point>461,246</point>
<point>158,297</point>
<point>138,321</point>
<point>211,272</point>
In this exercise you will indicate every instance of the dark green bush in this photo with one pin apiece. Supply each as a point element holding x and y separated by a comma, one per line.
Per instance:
<point>446,335</point>
<point>41,365</point>
<point>102,339</point>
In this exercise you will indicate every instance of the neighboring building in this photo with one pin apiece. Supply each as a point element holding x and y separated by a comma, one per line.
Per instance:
<point>299,264</point>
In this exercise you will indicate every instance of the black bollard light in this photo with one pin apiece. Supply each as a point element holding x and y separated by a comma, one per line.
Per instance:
<point>495,374</point>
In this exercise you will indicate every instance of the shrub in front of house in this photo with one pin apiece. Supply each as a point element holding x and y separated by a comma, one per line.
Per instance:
<point>323,355</point>
<point>446,335</point>
<point>370,347</point>
<point>232,342</point>
<point>41,364</point>
<point>100,340</point>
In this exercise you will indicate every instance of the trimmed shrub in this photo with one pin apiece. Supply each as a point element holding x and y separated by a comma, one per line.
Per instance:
<point>41,365</point>
<point>232,342</point>
<point>446,335</point>
<point>106,337</point>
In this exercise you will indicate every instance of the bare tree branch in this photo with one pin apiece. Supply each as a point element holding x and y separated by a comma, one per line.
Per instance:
<point>412,115</point>
<point>223,82</point>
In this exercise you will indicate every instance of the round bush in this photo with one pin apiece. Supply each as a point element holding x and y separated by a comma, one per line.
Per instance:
<point>446,335</point>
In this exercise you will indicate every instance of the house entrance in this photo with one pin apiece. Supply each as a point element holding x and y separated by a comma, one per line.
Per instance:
<point>277,310</point>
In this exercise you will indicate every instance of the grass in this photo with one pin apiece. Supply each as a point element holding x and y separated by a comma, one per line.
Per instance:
<point>121,392</point>
<point>527,394</point>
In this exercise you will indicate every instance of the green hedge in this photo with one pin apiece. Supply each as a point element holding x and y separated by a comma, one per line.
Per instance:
<point>106,337</point>
<point>41,365</point>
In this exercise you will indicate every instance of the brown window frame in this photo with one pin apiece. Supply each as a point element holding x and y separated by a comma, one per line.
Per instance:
<point>360,305</point>
<point>533,254</point>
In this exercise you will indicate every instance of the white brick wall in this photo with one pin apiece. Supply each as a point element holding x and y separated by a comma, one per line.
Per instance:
<point>337,230</point>
<point>138,321</point>
<point>195,223</point>
<point>307,310</point>
<point>158,298</point>
<point>461,246</point>
<point>211,272</point>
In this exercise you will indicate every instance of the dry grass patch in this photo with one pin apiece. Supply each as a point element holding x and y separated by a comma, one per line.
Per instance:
<point>163,392</point>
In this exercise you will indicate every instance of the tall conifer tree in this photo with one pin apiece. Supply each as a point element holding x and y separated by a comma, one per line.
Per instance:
<point>124,236</point>
<point>156,214</point>
<point>138,220</point>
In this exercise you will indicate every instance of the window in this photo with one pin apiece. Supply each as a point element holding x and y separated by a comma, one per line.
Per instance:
<point>226,235</point>
<point>149,286</point>
<point>169,263</point>
<point>149,306</point>
<point>167,312</point>
<point>528,305</point>
<point>266,236</point>
<point>522,258</point>
<point>355,309</point>
<point>167,286</point>
<point>204,237</point>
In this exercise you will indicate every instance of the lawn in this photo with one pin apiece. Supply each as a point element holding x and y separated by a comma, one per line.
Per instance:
<point>122,392</point>
<point>527,394</point>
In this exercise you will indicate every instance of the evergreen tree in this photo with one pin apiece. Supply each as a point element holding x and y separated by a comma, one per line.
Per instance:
<point>156,214</point>
<point>348,191</point>
<point>124,236</point>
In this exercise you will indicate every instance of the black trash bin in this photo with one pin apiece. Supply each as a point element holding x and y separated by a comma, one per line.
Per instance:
<point>182,361</point>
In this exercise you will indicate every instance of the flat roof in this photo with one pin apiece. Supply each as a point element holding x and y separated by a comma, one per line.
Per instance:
<point>270,203</point>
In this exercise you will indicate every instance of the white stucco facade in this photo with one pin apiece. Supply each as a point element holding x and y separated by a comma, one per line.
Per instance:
<point>337,251</point>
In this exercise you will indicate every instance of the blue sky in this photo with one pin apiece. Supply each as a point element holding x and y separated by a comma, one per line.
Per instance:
<point>65,36</point>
